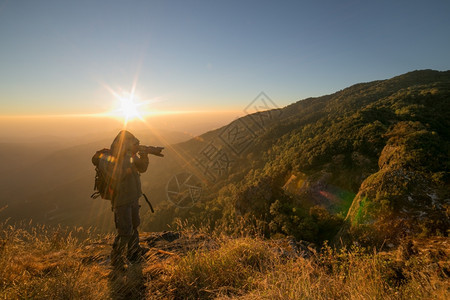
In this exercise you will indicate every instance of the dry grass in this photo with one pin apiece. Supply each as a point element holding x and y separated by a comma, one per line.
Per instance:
<point>38,262</point>
<point>353,274</point>
<point>232,268</point>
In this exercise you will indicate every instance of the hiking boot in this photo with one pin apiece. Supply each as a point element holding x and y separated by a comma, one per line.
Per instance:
<point>117,273</point>
<point>138,256</point>
<point>118,267</point>
<point>117,262</point>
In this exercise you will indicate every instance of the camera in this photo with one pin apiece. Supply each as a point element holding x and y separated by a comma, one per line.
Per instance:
<point>151,150</point>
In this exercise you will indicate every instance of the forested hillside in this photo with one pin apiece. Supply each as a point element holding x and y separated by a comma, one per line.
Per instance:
<point>370,162</point>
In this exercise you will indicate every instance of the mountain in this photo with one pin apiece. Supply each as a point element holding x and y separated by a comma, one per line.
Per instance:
<point>370,160</point>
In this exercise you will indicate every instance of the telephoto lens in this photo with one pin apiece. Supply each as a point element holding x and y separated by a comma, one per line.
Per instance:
<point>151,150</point>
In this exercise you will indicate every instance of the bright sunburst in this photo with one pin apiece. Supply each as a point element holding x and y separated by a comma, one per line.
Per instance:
<point>129,108</point>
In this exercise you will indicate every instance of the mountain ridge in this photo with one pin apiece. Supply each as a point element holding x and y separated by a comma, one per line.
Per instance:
<point>336,141</point>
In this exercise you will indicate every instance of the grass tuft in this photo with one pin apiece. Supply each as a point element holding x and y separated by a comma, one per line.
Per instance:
<point>229,269</point>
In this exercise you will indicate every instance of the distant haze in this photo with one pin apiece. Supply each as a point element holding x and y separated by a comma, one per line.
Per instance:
<point>47,174</point>
<point>23,129</point>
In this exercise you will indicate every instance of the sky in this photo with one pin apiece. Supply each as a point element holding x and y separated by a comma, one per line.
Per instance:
<point>78,57</point>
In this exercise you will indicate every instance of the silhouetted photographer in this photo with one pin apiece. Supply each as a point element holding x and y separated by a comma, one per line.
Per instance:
<point>118,179</point>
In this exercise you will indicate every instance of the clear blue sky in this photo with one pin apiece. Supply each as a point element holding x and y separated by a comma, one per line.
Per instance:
<point>56,57</point>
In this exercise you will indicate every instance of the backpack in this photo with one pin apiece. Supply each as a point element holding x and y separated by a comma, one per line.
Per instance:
<point>103,187</point>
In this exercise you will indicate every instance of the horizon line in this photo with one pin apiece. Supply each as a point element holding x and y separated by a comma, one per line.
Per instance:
<point>113,115</point>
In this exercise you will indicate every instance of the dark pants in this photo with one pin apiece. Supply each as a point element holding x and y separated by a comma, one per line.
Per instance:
<point>126,243</point>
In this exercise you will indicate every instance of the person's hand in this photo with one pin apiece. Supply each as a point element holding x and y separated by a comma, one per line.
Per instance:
<point>143,154</point>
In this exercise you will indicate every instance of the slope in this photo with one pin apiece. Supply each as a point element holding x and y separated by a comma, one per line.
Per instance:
<point>303,165</point>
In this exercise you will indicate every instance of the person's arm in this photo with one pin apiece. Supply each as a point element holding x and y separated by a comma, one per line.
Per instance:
<point>141,162</point>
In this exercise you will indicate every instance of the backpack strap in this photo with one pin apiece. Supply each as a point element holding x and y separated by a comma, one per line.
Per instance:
<point>95,195</point>
<point>149,204</point>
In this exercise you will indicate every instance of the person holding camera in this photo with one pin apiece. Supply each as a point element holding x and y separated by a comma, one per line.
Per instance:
<point>122,168</point>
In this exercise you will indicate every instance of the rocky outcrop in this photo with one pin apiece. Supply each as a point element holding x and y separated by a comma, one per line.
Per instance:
<point>403,197</point>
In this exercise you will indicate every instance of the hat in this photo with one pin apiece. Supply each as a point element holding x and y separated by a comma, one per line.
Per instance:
<point>123,140</point>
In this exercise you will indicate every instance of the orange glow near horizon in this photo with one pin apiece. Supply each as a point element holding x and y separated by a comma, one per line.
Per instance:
<point>115,115</point>
<point>126,111</point>
<point>193,123</point>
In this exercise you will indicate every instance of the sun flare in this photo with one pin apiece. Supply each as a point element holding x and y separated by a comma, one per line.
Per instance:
<point>128,106</point>
<point>129,109</point>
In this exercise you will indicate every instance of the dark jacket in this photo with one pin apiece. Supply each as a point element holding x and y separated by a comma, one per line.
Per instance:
<point>124,173</point>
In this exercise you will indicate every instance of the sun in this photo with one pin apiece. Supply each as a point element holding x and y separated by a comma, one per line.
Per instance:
<point>129,109</point>
<point>128,106</point>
